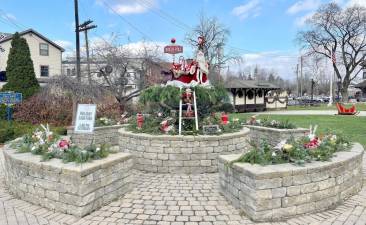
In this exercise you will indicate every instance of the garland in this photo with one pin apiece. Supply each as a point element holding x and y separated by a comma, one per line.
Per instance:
<point>276,98</point>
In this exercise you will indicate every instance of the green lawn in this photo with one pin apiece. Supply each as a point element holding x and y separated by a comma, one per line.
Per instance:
<point>359,107</point>
<point>353,127</point>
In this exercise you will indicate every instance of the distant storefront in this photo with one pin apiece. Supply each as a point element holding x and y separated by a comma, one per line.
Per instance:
<point>361,95</point>
<point>255,96</point>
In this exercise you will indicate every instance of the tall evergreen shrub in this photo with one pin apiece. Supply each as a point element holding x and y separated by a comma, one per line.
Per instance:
<point>19,69</point>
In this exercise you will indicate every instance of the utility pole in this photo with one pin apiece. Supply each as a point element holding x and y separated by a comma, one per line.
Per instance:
<point>297,79</point>
<point>84,27</point>
<point>301,79</point>
<point>312,90</point>
<point>76,8</point>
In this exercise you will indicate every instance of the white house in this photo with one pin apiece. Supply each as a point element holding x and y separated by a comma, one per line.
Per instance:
<point>46,55</point>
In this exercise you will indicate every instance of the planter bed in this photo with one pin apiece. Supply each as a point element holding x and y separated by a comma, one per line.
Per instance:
<point>76,189</point>
<point>105,134</point>
<point>181,154</point>
<point>274,135</point>
<point>277,192</point>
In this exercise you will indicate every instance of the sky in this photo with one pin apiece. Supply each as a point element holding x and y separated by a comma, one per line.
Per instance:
<point>262,31</point>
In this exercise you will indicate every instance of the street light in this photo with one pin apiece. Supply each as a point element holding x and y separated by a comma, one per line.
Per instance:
<point>364,68</point>
<point>313,81</point>
<point>339,83</point>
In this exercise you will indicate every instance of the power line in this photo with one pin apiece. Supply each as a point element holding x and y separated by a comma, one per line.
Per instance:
<point>164,15</point>
<point>18,25</point>
<point>185,27</point>
<point>126,21</point>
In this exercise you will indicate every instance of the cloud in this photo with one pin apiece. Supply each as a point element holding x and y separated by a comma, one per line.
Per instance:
<point>356,2</point>
<point>312,5</point>
<point>152,47</point>
<point>68,46</point>
<point>250,9</point>
<point>64,44</point>
<point>304,5</point>
<point>128,6</point>
<point>134,49</point>
<point>8,16</point>
<point>301,21</point>
<point>283,63</point>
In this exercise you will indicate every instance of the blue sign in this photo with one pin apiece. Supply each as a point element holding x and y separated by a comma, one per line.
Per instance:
<point>10,98</point>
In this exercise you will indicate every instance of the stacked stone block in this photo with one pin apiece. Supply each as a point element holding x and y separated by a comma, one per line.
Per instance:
<point>101,135</point>
<point>181,154</point>
<point>277,192</point>
<point>76,189</point>
<point>273,135</point>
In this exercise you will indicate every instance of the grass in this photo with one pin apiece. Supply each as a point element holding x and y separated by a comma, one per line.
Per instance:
<point>353,127</point>
<point>359,107</point>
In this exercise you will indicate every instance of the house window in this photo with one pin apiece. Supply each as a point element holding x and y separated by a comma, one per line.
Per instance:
<point>68,72</point>
<point>44,71</point>
<point>43,49</point>
<point>2,76</point>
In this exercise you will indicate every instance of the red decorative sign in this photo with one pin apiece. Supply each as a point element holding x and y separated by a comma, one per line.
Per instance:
<point>173,49</point>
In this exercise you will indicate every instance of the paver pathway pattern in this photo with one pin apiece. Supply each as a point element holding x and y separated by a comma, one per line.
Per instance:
<point>306,112</point>
<point>171,200</point>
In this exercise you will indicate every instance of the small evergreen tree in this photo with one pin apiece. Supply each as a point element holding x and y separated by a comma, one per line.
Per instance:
<point>19,69</point>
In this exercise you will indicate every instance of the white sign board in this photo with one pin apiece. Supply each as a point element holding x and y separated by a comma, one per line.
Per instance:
<point>85,118</point>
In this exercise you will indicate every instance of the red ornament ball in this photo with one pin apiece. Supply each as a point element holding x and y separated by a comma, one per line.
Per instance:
<point>172,40</point>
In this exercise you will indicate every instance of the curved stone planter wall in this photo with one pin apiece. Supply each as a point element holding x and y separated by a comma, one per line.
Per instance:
<point>76,189</point>
<point>101,135</point>
<point>181,154</point>
<point>273,135</point>
<point>276,192</point>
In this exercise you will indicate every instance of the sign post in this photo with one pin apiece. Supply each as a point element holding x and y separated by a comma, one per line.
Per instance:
<point>173,48</point>
<point>10,98</point>
<point>85,118</point>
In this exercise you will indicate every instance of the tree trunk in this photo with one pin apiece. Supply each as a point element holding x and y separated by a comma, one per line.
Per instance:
<point>122,104</point>
<point>344,93</point>
<point>74,109</point>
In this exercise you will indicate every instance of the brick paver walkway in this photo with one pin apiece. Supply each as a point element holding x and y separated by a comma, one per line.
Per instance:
<point>307,112</point>
<point>172,200</point>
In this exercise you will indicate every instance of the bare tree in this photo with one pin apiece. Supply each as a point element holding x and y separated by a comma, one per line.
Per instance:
<point>340,36</point>
<point>215,35</point>
<point>64,86</point>
<point>125,72</point>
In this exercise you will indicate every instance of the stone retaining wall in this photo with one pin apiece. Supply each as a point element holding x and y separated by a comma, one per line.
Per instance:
<point>181,154</point>
<point>276,192</point>
<point>273,135</point>
<point>76,189</point>
<point>101,135</point>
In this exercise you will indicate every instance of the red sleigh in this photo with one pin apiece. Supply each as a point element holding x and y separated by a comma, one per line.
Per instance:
<point>342,110</point>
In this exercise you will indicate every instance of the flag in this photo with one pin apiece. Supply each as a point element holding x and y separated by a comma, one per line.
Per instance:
<point>334,59</point>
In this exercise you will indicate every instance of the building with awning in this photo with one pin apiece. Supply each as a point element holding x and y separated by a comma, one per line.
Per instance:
<point>361,95</point>
<point>254,96</point>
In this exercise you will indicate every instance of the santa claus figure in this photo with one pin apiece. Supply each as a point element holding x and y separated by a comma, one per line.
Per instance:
<point>191,72</point>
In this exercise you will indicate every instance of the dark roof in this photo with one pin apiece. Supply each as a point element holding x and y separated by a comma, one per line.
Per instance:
<point>9,37</point>
<point>237,83</point>
<point>4,34</point>
<point>361,85</point>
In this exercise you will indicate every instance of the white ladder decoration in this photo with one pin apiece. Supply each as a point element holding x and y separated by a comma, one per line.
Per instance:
<point>181,117</point>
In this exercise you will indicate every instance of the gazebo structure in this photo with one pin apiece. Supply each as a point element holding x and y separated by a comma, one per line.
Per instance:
<point>362,94</point>
<point>250,95</point>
